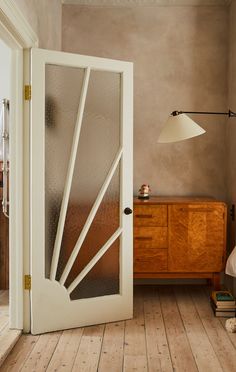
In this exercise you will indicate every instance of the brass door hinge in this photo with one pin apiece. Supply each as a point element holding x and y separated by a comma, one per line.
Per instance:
<point>27,92</point>
<point>28,282</point>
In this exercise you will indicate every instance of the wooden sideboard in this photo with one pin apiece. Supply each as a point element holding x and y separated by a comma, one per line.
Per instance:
<point>177,237</point>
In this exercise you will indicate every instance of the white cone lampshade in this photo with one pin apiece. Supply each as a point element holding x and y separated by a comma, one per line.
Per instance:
<point>179,128</point>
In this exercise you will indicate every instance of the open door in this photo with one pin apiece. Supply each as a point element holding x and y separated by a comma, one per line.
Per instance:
<point>81,191</point>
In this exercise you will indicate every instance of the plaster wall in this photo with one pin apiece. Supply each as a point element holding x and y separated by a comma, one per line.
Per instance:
<point>45,18</point>
<point>180,57</point>
<point>5,71</point>
<point>5,79</point>
<point>231,134</point>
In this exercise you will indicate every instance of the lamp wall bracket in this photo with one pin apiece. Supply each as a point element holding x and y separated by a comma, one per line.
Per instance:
<point>230,113</point>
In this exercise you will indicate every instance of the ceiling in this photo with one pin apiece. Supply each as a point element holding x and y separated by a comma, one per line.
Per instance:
<point>148,2</point>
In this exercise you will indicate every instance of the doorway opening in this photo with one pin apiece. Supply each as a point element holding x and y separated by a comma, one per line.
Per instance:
<point>5,78</point>
<point>5,122</point>
<point>16,38</point>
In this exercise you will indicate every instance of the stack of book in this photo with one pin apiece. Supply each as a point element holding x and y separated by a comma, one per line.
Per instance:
<point>223,304</point>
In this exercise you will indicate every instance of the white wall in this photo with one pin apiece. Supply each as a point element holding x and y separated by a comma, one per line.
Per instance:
<point>180,57</point>
<point>5,78</point>
<point>5,70</point>
<point>231,135</point>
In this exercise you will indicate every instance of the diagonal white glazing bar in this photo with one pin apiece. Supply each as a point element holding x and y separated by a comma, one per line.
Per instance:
<point>69,176</point>
<point>90,218</point>
<point>94,260</point>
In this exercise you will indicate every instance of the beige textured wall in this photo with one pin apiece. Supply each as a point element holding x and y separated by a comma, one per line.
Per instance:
<point>180,57</point>
<point>231,133</point>
<point>44,16</point>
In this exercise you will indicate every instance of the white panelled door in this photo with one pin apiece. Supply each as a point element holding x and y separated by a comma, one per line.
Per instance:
<point>81,191</point>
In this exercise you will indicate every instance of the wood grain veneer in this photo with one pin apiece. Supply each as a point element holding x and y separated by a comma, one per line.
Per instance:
<point>149,215</point>
<point>151,237</point>
<point>179,237</point>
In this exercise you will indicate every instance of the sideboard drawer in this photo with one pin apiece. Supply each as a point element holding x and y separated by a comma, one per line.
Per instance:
<point>150,260</point>
<point>150,215</point>
<point>150,237</point>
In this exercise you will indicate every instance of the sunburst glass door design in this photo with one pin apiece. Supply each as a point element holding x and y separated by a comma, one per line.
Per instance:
<point>82,180</point>
<point>81,191</point>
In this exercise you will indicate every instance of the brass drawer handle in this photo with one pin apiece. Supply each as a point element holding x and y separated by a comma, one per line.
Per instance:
<point>143,215</point>
<point>143,238</point>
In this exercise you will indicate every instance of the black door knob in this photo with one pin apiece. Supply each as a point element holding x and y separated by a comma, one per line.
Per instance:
<point>128,211</point>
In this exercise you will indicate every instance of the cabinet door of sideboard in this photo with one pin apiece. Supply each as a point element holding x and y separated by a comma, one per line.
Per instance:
<point>197,237</point>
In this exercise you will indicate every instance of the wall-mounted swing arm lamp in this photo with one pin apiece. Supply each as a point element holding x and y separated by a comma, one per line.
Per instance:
<point>179,126</point>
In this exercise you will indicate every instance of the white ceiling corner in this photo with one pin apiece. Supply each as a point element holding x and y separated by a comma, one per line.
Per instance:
<point>149,2</point>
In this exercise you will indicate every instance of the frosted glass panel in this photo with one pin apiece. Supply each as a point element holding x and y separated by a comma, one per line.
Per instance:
<point>62,94</point>
<point>104,225</point>
<point>98,146</point>
<point>103,279</point>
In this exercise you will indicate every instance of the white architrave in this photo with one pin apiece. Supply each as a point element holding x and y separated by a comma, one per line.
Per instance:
<point>18,35</point>
<point>14,23</point>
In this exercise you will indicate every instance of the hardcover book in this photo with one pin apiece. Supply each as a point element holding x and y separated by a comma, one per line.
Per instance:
<point>227,313</point>
<point>223,298</point>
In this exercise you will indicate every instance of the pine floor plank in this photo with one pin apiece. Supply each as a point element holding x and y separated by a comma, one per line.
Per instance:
<point>137,363</point>
<point>232,336</point>
<point>173,329</point>
<point>8,338</point>
<point>4,297</point>
<point>41,354</point>
<point>204,354</point>
<point>181,353</point>
<point>89,351</point>
<point>4,309</point>
<point>112,348</point>
<point>4,319</point>
<point>217,335</point>
<point>157,345</point>
<point>66,350</point>
<point>19,353</point>
<point>135,338</point>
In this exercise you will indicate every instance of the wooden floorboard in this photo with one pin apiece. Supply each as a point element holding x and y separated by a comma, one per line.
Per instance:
<point>158,353</point>
<point>8,337</point>
<point>64,355</point>
<point>232,336</point>
<point>112,347</point>
<point>135,352</point>
<point>41,355</point>
<point>173,329</point>
<point>18,357</point>
<point>203,352</point>
<point>4,309</point>
<point>216,333</point>
<point>180,350</point>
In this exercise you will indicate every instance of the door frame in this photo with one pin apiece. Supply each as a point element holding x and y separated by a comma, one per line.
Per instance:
<point>19,37</point>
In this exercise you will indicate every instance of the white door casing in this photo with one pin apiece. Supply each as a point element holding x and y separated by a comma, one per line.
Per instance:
<point>18,36</point>
<point>51,305</point>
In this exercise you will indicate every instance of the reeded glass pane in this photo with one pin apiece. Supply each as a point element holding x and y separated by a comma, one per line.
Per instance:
<point>98,145</point>
<point>103,279</point>
<point>104,225</point>
<point>62,94</point>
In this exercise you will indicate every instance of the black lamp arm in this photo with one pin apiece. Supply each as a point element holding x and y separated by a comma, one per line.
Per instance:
<point>230,113</point>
